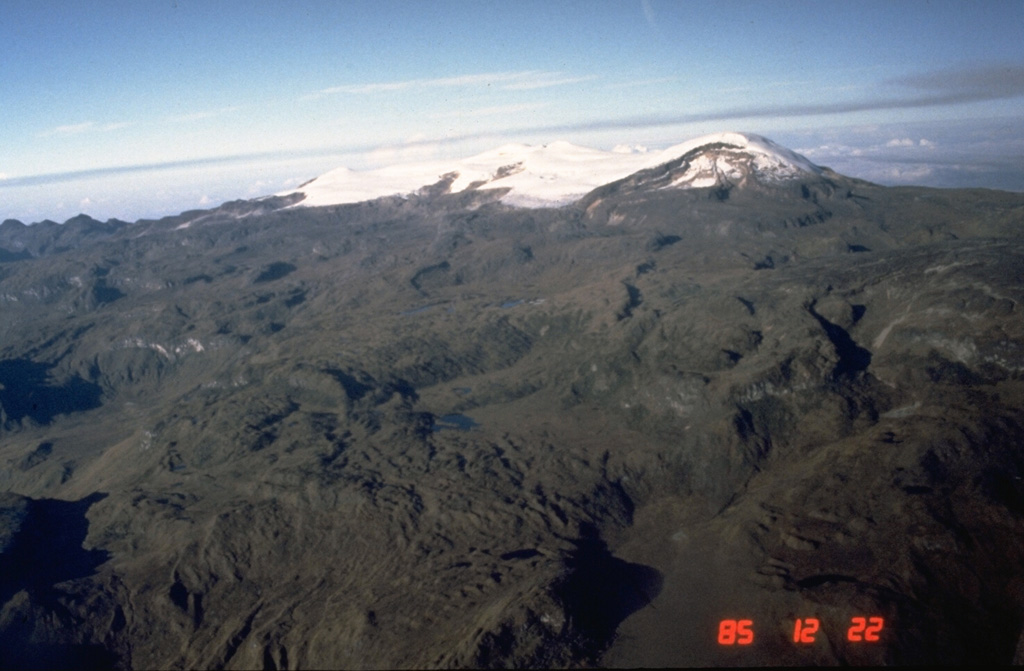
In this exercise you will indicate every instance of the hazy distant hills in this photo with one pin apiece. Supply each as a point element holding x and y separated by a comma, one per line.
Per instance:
<point>446,428</point>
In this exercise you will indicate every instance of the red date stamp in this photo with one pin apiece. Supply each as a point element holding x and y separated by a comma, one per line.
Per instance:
<point>805,630</point>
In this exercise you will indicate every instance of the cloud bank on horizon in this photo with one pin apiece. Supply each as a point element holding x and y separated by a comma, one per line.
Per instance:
<point>128,109</point>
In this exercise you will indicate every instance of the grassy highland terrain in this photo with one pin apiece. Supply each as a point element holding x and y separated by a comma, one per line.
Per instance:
<point>443,432</point>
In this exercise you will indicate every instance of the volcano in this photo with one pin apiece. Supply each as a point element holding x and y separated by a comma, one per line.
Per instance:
<point>546,406</point>
<point>560,172</point>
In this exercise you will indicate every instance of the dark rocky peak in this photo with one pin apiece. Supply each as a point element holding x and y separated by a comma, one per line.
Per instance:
<point>82,219</point>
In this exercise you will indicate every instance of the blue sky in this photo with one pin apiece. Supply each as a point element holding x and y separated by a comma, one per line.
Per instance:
<point>138,108</point>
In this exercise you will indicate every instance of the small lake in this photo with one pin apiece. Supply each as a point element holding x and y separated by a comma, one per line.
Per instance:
<point>456,421</point>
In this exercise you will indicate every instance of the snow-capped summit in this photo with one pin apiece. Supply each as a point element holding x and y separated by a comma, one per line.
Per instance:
<point>561,172</point>
<point>535,175</point>
<point>714,160</point>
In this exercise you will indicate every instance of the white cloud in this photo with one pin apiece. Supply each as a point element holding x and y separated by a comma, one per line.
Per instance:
<point>904,173</point>
<point>205,200</point>
<point>761,86</point>
<point>867,150</point>
<point>522,80</point>
<point>84,127</point>
<point>494,110</point>
<point>261,187</point>
<point>820,150</point>
<point>629,149</point>
<point>907,142</point>
<point>416,148</point>
<point>545,82</point>
<point>440,82</point>
<point>829,151</point>
<point>70,129</point>
<point>644,82</point>
<point>118,125</point>
<point>206,114</point>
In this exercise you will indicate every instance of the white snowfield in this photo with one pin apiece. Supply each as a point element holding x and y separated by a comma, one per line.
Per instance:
<point>560,172</point>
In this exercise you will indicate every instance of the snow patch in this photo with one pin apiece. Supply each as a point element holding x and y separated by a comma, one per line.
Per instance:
<point>170,353</point>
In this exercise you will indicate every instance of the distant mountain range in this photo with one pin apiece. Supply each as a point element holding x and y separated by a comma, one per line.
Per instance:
<point>526,176</point>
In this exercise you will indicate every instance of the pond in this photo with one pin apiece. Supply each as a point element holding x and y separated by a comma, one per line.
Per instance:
<point>454,421</point>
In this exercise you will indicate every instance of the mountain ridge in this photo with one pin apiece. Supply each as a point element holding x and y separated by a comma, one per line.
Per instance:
<point>481,435</point>
<point>560,172</point>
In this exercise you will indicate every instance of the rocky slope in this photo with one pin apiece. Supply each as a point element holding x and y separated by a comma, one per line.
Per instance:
<point>440,431</point>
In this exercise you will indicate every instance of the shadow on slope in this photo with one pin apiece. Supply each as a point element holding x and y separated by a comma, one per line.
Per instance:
<point>25,392</point>
<point>601,591</point>
<point>44,544</point>
<point>40,547</point>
